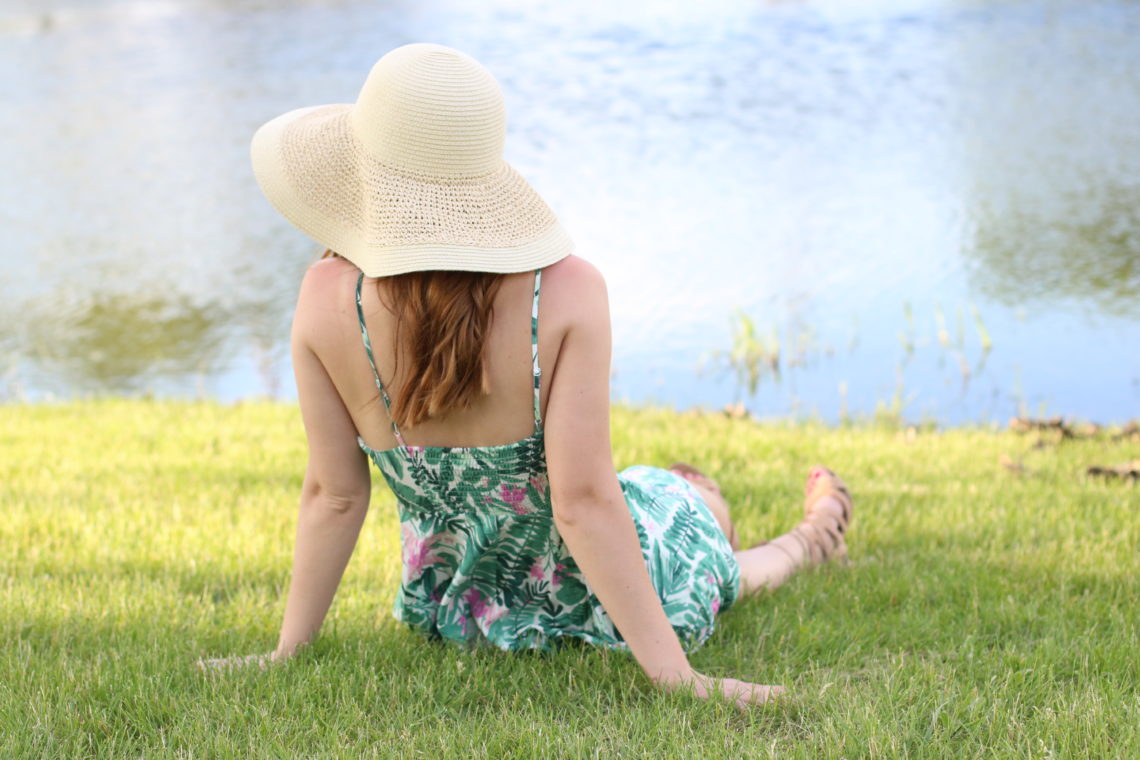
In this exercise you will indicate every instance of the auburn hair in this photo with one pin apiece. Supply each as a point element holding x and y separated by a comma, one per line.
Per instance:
<point>447,317</point>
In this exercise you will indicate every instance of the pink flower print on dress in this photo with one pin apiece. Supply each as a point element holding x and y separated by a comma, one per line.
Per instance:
<point>539,484</point>
<point>712,584</point>
<point>536,572</point>
<point>417,552</point>
<point>556,576</point>
<point>514,496</point>
<point>482,608</point>
<point>493,612</point>
<point>474,599</point>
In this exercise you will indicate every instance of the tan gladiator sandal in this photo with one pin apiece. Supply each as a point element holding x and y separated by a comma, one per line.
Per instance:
<point>821,533</point>
<point>823,530</point>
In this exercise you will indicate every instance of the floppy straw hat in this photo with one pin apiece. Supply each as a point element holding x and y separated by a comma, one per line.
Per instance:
<point>410,177</point>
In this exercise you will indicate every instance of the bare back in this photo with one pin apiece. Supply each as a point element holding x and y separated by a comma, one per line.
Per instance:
<point>502,416</point>
<point>339,399</point>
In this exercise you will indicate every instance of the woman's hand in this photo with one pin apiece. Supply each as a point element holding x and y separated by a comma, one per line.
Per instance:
<point>740,693</point>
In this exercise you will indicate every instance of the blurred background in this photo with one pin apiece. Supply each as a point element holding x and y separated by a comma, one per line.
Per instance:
<point>821,208</point>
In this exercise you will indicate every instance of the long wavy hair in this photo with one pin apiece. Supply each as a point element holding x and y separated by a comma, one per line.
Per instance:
<point>447,317</point>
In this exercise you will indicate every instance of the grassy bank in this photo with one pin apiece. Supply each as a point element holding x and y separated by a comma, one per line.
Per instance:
<point>987,612</point>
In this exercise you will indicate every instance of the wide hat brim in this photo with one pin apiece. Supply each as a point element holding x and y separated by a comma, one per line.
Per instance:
<point>315,170</point>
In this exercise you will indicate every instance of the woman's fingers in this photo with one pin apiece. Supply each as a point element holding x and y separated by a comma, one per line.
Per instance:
<point>768,694</point>
<point>745,694</point>
<point>741,693</point>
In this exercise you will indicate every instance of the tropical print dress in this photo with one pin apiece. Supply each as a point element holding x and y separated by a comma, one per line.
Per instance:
<point>484,563</point>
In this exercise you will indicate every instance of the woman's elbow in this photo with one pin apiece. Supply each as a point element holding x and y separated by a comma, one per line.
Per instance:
<point>335,500</point>
<point>586,505</point>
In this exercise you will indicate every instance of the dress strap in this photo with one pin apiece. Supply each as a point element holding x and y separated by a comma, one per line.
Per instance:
<point>534,351</point>
<point>372,362</point>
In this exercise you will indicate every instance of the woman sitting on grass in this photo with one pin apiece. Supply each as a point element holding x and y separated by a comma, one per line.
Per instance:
<point>421,345</point>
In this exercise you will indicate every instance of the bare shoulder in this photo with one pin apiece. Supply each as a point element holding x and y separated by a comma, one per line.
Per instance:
<point>574,288</point>
<point>326,292</point>
<point>326,278</point>
<point>325,283</point>
<point>574,272</point>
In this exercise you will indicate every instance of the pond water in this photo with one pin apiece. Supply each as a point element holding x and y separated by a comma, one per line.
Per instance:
<point>926,206</point>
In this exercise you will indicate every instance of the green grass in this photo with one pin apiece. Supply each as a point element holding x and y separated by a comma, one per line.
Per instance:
<point>985,613</point>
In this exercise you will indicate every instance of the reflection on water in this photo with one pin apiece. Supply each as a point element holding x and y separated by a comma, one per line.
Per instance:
<point>1054,159</point>
<point>113,341</point>
<point>122,341</point>
<point>915,202</point>
<point>104,331</point>
<point>1086,250</point>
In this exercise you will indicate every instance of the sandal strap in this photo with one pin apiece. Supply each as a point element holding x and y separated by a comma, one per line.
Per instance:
<point>830,484</point>
<point>825,530</point>
<point>820,541</point>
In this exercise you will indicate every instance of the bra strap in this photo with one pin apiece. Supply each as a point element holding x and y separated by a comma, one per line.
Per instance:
<point>372,362</point>
<point>534,351</point>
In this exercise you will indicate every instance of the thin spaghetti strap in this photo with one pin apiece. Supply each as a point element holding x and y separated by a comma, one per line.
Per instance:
<point>372,362</point>
<point>534,351</point>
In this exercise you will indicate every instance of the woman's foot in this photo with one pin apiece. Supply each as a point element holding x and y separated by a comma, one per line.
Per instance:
<point>827,514</point>
<point>818,538</point>
<point>709,490</point>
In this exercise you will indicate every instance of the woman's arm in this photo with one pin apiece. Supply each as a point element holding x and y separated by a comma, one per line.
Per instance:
<point>336,489</point>
<point>335,493</point>
<point>589,507</point>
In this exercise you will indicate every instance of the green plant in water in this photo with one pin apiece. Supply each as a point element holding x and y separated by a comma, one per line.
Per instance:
<point>983,336</point>
<point>906,337</point>
<point>983,333</point>
<point>957,348</point>
<point>943,332</point>
<point>752,355</point>
<point>802,344</point>
<point>889,415</point>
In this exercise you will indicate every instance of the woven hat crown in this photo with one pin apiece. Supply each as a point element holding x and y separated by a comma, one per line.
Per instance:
<point>411,176</point>
<point>431,109</point>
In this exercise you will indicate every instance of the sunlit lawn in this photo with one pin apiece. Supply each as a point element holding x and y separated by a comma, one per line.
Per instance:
<point>985,613</point>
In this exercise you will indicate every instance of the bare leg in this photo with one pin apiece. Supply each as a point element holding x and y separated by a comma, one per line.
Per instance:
<point>768,565</point>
